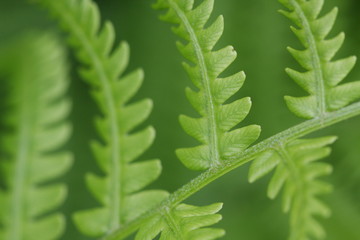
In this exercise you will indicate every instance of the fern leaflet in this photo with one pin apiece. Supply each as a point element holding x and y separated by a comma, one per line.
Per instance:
<point>183,222</point>
<point>118,190</point>
<point>323,75</point>
<point>297,172</point>
<point>212,129</point>
<point>40,129</point>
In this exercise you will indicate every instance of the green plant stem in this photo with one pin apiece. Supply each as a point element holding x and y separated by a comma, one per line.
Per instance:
<point>236,161</point>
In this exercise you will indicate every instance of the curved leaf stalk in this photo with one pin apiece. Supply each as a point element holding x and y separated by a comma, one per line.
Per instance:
<point>118,190</point>
<point>214,128</point>
<point>40,128</point>
<point>323,75</point>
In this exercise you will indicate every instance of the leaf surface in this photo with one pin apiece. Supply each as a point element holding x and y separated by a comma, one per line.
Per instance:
<point>297,172</point>
<point>322,75</point>
<point>214,128</point>
<point>119,189</point>
<point>183,222</point>
<point>40,129</point>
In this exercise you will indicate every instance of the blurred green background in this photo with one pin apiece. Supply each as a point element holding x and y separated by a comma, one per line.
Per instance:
<point>260,36</point>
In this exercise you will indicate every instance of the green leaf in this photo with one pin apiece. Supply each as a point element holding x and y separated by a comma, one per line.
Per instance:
<point>40,128</point>
<point>297,172</point>
<point>117,191</point>
<point>263,164</point>
<point>322,74</point>
<point>183,222</point>
<point>204,66</point>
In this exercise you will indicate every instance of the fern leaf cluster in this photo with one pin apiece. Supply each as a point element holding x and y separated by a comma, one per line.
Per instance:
<point>323,74</point>
<point>297,172</point>
<point>39,130</point>
<point>183,222</point>
<point>34,159</point>
<point>214,128</point>
<point>118,190</point>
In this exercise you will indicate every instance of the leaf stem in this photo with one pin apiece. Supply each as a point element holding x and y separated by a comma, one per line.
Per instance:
<point>236,161</point>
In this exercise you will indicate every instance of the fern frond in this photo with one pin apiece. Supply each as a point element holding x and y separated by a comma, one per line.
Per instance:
<point>118,190</point>
<point>38,83</point>
<point>183,222</point>
<point>214,128</point>
<point>323,74</point>
<point>297,172</point>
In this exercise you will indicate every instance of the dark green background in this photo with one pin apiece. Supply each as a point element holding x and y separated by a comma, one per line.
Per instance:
<point>260,35</point>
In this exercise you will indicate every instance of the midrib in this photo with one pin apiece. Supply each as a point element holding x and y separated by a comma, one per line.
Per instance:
<point>296,177</point>
<point>210,108</point>
<point>22,164</point>
<point>173,225</point>
<point>316,63</point>
<point>115,175</point>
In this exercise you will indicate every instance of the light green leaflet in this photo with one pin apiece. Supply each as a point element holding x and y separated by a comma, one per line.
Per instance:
<point>40,128</point>
<point>183,222</point>
<point>323,74</point>
<point>214,128</point>
<point>118,191</point>
<point>297,172</point>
